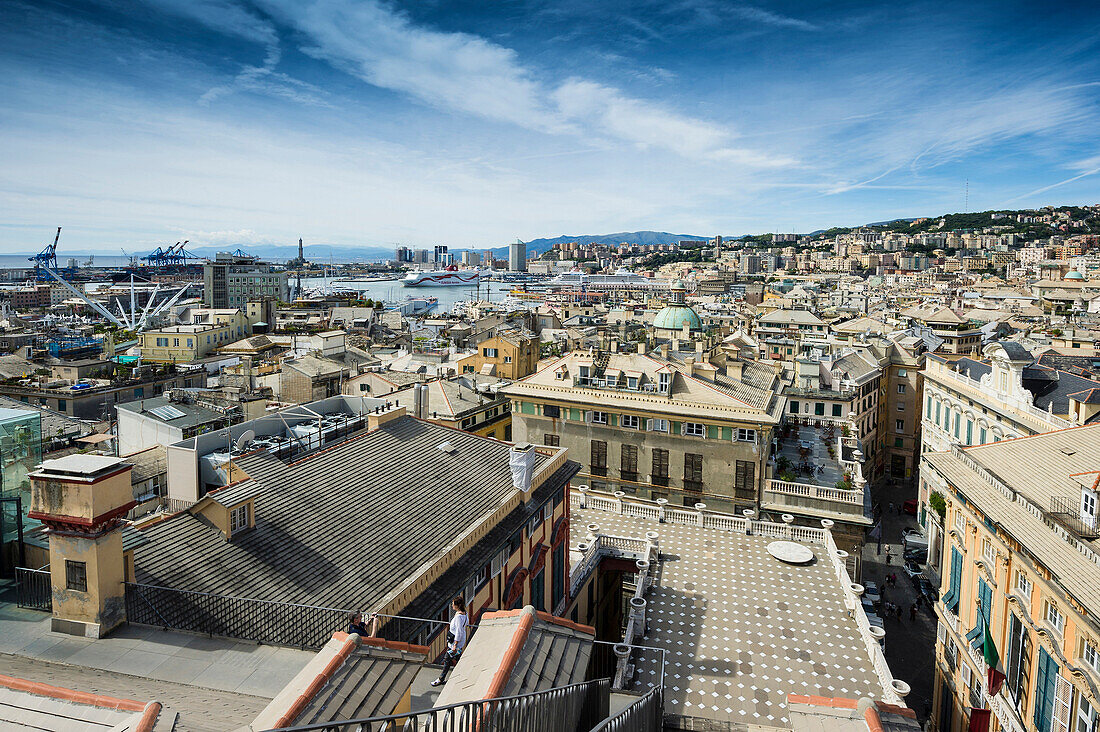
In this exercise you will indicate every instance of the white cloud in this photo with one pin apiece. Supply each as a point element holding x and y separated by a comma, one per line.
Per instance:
<point>767,17</point>
<point>465,73</point>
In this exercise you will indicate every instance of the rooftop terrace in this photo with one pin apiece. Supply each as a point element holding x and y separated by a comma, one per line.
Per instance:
<point>742,630</point>
<point>808,479</point>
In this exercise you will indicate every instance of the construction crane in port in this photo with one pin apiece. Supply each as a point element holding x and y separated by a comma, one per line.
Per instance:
<point>174,255</point>
<point>47,258</point>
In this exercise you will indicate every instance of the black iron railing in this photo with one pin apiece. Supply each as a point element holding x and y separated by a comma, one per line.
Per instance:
<point>277,623</point>
<point>644,715</point>
<point>33,588</point>
<point>575,707</point>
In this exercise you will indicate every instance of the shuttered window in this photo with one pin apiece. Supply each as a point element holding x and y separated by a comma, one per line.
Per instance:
<point>628,464</point>
<point>744,480</point>
<point>659,475</point>
<point>693,472</point>
<point>599,457</point>
<point>1046,678</point>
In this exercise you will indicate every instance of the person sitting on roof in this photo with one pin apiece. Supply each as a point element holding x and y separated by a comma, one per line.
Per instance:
<point>456,638</point>
<point>356,625</point>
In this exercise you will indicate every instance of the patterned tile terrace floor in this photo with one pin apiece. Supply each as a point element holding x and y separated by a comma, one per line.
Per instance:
<point>741,629</point>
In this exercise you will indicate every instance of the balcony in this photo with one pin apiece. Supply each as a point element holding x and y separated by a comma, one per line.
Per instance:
<point>848,505</point>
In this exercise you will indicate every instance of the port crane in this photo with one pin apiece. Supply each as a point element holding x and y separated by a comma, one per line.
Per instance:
<point>46,268</point>
<point>47,258</point>
<point>174,255</point>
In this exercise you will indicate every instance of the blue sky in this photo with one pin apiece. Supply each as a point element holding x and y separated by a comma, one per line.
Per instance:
<point>362,122</point>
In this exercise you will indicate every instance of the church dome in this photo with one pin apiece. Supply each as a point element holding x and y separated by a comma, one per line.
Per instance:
<point>1074,274</point>
<point>675,317</point>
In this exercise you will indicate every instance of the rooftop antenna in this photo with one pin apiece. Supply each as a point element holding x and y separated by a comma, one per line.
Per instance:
<point>966,197</point>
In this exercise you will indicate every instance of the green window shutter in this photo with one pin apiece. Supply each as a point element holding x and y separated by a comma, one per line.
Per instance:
<point>612,420</point>
<point>727,433</point>
<point>675,428</point>
<point>575,415</point>
<point>1044,691</point>
<point>712,432</point>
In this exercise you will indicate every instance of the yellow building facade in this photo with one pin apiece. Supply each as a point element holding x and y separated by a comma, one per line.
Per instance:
<point>1018,553</point>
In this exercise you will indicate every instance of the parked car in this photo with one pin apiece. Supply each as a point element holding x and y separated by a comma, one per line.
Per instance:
<point>919,556</point>
<point>928,591</point>
<point>911,532</point>
<point>910,507</point>
<point>871,592</point>
<point>913,570</point>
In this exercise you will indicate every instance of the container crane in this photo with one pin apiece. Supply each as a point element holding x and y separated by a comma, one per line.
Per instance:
<point>47,258</point>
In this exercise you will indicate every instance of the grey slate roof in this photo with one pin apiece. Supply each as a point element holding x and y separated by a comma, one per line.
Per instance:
<point>193,414</point>
<point>370,683</point>
<point>553,653</point>
<point>343,527</point>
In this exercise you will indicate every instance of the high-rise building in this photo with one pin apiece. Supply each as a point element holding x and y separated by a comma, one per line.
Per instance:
<point>517,256</point>
<point>440,253</point>
<point>232,280</point>
<point>402,254</point>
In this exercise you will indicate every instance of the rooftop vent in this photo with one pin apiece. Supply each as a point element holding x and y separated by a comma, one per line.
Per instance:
<point>447,447</point>
<point>1068,451</point>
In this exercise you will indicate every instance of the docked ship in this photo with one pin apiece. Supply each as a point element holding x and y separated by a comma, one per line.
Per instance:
<point>450,276</point>
<point>621,279</point>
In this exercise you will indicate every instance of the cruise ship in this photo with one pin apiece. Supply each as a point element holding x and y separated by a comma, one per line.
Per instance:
<point>442,277</point>
<point>620,279</point>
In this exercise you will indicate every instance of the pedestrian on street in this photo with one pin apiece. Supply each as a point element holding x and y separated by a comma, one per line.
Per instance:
<point>912,612</point>
<point>887,556</point>
<point>891,507</point>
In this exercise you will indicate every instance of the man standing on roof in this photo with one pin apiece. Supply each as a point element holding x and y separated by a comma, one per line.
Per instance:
<point>456,638</point>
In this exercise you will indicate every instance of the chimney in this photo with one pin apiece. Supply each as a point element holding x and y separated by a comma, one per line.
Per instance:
<point>699,347</point>
<point>387,414</point>
<point>521,461</point>
<point>423,401</point>
<point>642,347</point>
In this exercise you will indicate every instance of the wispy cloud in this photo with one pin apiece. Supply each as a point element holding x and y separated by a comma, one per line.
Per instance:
<point>469,74</point>
<point>1088,167</point>
<point>767,17</point>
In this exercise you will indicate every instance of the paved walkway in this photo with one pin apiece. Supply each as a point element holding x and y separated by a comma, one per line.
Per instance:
<point>221,664</point>
<point>190,667</point>
<point>200,710</point>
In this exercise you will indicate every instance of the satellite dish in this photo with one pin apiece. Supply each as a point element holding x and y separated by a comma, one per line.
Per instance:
<point>244,439</point>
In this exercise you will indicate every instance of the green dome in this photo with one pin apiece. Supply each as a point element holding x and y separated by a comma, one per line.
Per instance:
<point>1074,275</point>
<point>675,317</point>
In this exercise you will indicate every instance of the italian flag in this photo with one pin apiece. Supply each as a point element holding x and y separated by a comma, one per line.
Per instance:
<point>992,660</point>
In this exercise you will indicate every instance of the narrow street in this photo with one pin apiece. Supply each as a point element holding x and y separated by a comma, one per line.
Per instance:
<point>910,644</point>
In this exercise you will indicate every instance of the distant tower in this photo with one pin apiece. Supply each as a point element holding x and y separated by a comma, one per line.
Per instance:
<point>301,257</point>
<point>517,256</point>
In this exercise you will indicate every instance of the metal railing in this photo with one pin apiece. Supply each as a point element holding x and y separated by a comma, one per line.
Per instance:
<point>644,715</point>
<point>277,623</point>
<point>579,706</point>
<point>34,589</point>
